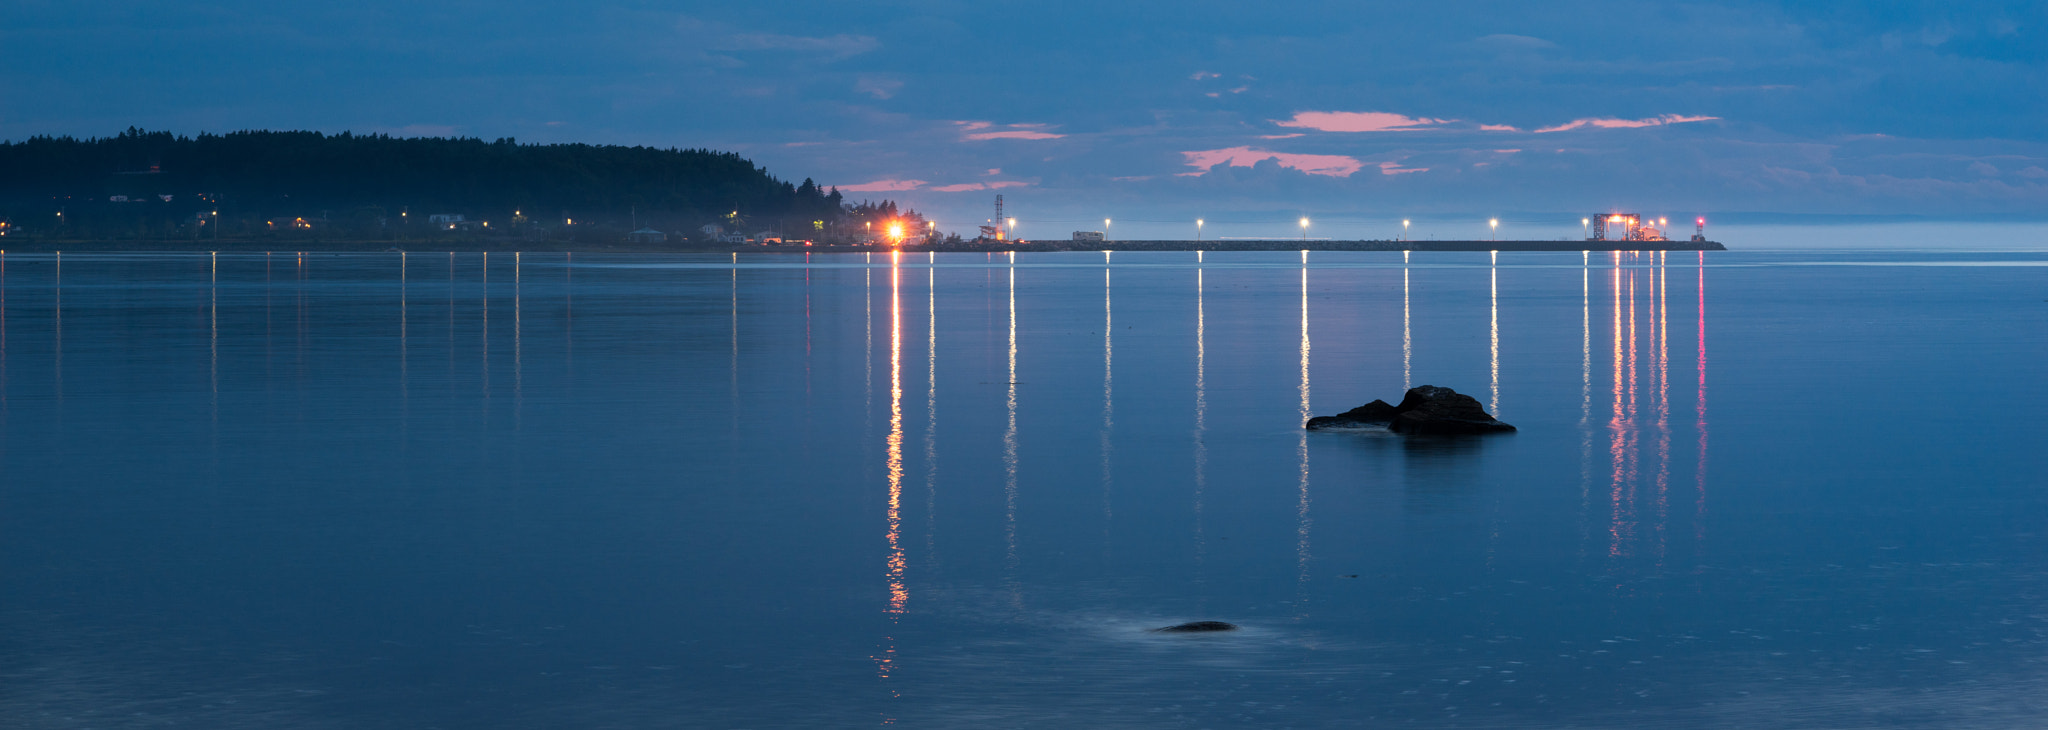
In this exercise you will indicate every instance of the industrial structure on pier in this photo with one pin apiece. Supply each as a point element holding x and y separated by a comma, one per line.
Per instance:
<point>1635,228</point>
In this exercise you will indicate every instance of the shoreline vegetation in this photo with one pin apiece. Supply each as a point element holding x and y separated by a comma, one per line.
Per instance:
<point>256,190</point>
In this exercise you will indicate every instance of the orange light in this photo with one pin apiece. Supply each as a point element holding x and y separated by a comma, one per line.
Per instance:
<point>1614,219</point>
<point>896,231</point>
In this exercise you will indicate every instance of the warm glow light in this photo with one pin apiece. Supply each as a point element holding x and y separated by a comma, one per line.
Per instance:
<point>896,231</point>
<point>1614,219</point>
<point>1304,222</point>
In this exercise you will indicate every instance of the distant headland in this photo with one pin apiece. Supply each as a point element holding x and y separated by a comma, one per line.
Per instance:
<point>280,190</point>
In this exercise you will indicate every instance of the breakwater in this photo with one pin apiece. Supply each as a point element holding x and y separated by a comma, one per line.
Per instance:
<point>1265,245</point>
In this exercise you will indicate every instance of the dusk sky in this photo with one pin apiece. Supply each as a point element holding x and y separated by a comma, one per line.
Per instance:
<point>1155,111</point>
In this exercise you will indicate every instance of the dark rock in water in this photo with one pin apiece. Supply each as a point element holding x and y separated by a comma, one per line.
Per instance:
<point>1198,626</point>
<point>1429,409</point>
<point>1376,413</point>
<point>1425,410</point>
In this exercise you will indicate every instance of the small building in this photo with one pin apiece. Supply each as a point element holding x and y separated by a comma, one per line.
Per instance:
<point>646,235</point>
<point>1095,236</point>
<point>451,222</point>
<point>768,237</point>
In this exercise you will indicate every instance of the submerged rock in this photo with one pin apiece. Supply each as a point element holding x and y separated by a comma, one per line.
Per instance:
<point>1426,410</point>
<point>1197,626</point>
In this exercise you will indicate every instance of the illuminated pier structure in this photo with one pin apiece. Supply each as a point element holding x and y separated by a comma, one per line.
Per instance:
<point>1276,244</point>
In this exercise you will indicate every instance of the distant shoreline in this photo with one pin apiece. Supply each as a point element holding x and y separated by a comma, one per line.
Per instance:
<point>331,246</point>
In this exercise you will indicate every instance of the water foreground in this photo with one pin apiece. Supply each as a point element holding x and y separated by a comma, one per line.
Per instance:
<point>432,490</point>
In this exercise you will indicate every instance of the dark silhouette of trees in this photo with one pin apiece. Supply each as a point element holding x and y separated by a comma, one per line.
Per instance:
<point>372,183</point>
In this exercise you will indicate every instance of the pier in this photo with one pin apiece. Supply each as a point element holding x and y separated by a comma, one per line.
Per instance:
<point>1276,244</point>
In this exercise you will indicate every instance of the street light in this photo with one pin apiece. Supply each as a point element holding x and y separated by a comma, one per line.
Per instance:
<point>1587,225</point>
<point>1105,229</point>
<point>1198,229</point>
<point>1013,229</point>
<point>1404,229</point>
<point>1496,228</point>
<point>1304,229</point>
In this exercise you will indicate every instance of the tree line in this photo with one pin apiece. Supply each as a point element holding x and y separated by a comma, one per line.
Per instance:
<point>147,184</point>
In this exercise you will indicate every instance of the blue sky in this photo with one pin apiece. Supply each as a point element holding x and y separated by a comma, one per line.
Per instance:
<point>1352,113</point>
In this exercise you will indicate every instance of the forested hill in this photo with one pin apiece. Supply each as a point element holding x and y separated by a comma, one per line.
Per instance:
<point>260,174</point>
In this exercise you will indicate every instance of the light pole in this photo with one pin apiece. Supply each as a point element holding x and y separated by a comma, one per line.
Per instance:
<point>1495,223</point>
<point>1587,225</point>
<point>1304,229</point>
<point>1013,229</point>
<point>1404,229</point>
<point>1105,229</point>
<point>1198,229</point>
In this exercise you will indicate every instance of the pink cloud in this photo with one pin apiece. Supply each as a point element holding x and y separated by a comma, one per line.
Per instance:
<point>883,186</point>
<point>1395,168</point>
<point>1281,136</point>
<point>993,185</point>
<point>1611,123</point>
<point>1014,134</point>
<point>1497,128</point>
<point>1359,122</point>
<point>974,131</point>
<point>1330,165</point>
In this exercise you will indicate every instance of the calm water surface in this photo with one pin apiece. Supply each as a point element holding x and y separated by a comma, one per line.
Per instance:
<point>1774,490</point>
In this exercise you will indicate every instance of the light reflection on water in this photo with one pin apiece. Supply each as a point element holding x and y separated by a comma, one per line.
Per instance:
<point>627,544</point>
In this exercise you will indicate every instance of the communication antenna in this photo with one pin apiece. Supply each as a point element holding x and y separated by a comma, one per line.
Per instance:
<point>999,210</point>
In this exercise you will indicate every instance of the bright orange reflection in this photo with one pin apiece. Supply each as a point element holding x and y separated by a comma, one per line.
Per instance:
<point>899,595</point>
<point>1639,425</point>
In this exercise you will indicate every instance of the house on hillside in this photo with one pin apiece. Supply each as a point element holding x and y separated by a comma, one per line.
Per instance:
<point>450,222</point>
